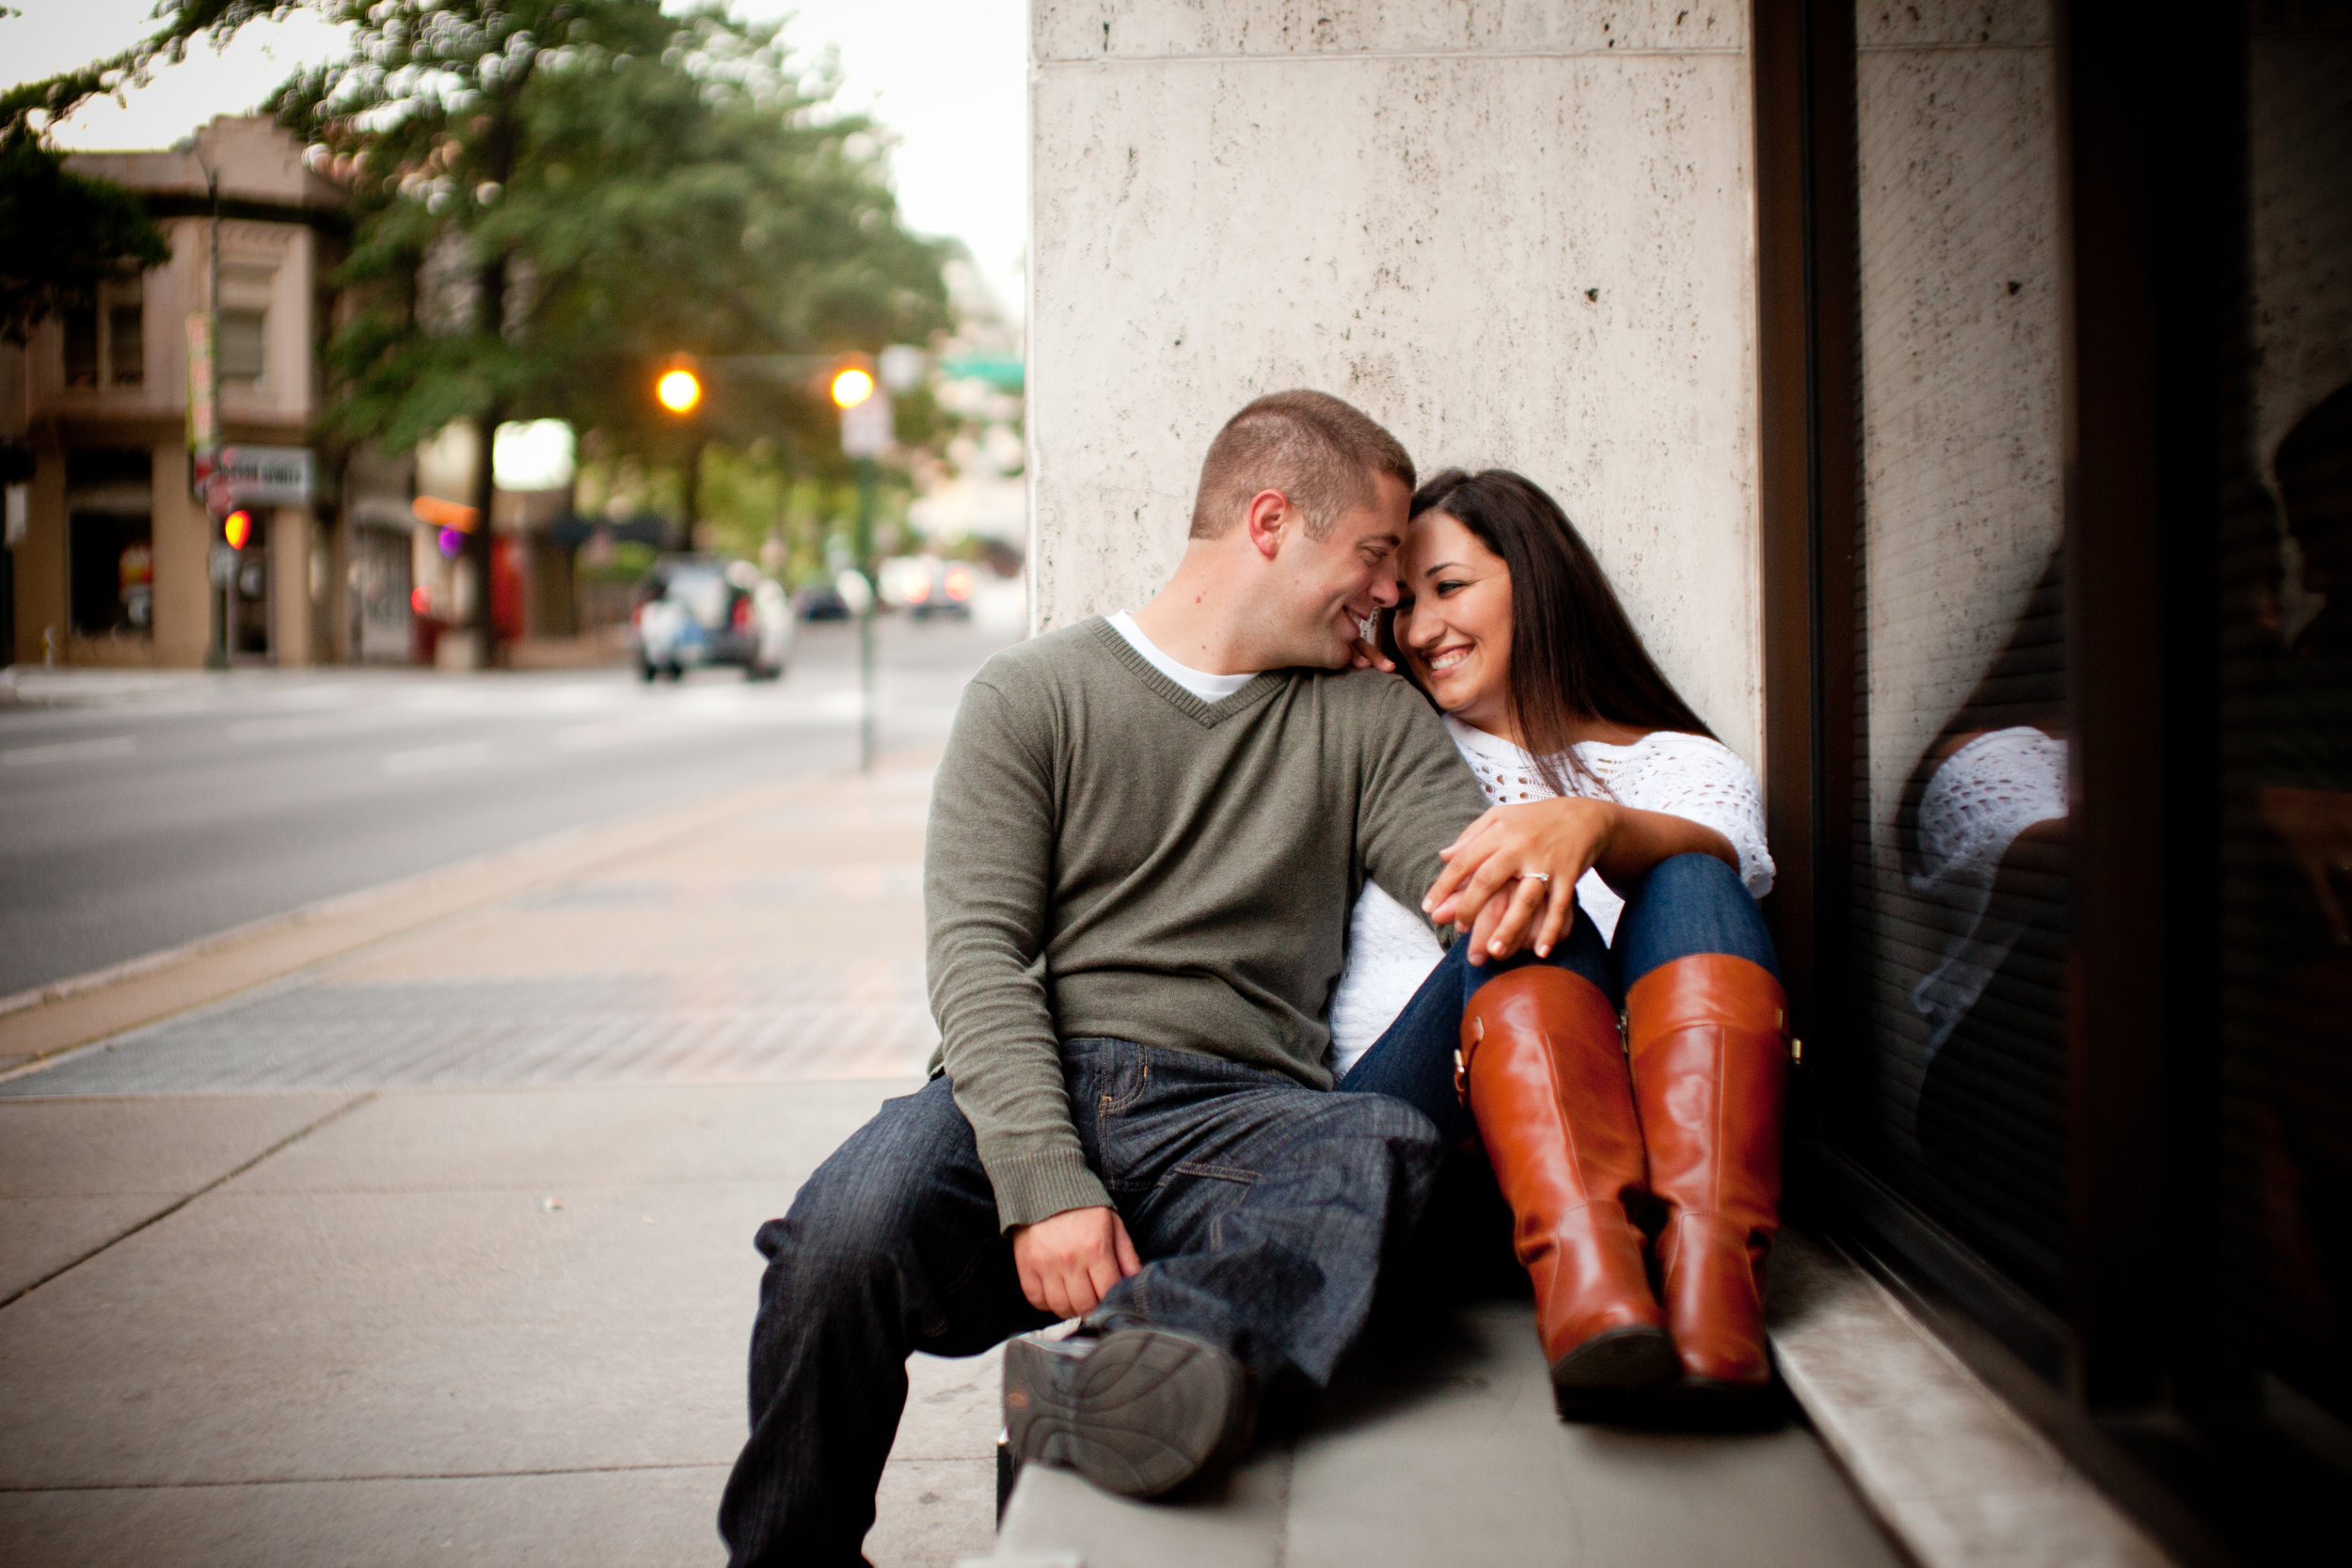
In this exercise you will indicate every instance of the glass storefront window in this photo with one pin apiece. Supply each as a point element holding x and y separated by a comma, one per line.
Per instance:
<point>1960,862</point>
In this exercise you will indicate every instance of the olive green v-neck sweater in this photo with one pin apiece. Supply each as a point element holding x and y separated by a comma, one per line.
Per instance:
<point>1109,855</point>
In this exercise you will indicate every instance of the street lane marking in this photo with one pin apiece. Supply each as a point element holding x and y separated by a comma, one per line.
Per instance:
<point>70,751</point>
<point>438,759</point>
<point>321,726</point>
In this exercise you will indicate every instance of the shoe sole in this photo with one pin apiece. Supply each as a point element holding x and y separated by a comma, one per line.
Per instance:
<point>1138,1415</point>
<point>1619,1360</point>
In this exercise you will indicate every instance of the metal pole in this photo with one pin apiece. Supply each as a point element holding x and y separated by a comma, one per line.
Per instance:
<point>865,477</point>
<point>216,656</point>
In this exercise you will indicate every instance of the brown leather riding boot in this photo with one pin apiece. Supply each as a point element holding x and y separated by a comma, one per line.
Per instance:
<point>1709,1039</point>
<point>1544,1076</point>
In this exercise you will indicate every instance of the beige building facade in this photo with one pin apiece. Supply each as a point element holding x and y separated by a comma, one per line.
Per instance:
<point>111,567</point>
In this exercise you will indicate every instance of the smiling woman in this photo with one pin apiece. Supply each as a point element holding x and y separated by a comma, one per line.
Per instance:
<point>1627,845</point>
<point>1490,552</point>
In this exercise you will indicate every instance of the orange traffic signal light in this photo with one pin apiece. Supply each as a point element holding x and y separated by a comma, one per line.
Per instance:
<point>678,389</point>
<point>237,528</point>
<point>852,386</point>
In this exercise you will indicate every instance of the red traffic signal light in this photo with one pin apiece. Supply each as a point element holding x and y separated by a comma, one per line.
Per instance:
<point>237,528</point>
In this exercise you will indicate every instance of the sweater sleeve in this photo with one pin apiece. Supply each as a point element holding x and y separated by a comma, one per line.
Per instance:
<point>987,867</point>
<point>1705,782</point>
<point>1418,796</point>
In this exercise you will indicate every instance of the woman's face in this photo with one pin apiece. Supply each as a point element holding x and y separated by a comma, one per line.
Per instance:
<point>1453,620</point>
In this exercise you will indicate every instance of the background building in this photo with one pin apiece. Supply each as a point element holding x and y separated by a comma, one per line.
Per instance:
<point>112,566</point>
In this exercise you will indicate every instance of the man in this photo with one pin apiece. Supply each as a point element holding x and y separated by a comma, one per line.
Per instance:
<point>1145,835</point>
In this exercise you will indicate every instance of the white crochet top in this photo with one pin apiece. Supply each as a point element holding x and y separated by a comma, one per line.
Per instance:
<point>1390,951</point>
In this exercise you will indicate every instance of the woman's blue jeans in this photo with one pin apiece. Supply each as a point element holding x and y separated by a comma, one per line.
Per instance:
<point>1687,905</point>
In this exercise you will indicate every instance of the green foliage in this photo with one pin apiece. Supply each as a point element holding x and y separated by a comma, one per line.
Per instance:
<point>60,233</point>
<point>618,184</point>
<point>624,185</point>
<point>32,107</point>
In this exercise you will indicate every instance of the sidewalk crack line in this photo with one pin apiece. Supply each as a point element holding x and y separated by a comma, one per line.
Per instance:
<point>165,1212</point>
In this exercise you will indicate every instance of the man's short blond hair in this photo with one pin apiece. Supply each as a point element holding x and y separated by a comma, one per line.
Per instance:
<point>1324,455</point>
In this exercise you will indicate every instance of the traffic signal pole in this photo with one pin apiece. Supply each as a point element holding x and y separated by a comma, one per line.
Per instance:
<point>224,582</point>
<point>866,703</point>
<point>866,433</point>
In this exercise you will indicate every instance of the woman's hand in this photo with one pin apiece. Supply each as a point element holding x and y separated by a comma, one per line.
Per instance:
<point>1513,873</point>
<point>1546,846</point>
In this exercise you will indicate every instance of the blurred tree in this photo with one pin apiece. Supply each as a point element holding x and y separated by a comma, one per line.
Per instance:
<point>60,233</point>
<point>551,197</point>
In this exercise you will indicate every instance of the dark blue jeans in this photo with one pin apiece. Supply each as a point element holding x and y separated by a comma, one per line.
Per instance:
<point>1687,905</point>
<point>1262,1208</point>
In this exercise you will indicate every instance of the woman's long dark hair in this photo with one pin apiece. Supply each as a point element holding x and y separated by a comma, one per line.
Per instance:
<point>1574,656</point>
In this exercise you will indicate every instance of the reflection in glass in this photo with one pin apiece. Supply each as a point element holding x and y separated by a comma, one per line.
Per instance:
<point>1961,816</point>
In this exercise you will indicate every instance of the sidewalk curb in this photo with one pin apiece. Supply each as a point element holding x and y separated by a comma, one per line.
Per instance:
<point>39,1024</point>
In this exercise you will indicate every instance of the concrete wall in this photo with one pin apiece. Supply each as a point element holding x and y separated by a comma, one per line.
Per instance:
<point>1516,233</point>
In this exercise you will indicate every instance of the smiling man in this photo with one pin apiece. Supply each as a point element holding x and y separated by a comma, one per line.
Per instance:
<point>1145,835</point>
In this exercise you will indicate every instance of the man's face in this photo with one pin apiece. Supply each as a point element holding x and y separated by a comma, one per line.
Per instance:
<point>1329,585</point>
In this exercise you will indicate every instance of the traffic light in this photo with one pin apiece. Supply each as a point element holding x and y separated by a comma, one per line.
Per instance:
<point>678,389</point>
<point>852,384</point>
<point>237,528</point>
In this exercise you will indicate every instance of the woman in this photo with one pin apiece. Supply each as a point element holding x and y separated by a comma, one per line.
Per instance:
<point>1631,846</point>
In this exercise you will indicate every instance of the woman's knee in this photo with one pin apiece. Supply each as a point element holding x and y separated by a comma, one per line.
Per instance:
<point>1689,905</point>
<point>1696,875</point>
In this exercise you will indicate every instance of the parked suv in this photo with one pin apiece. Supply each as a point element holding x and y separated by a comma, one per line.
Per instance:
<point>696,609</point>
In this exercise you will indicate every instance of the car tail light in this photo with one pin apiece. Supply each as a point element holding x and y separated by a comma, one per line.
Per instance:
<point>918,588</point>
<point>742,614</point>
<point>959,583</point>
<point>637,616</point>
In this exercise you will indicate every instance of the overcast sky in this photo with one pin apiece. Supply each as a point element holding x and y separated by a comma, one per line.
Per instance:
<point>950,76</point>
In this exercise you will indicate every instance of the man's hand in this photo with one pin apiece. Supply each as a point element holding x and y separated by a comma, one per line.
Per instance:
<point>1069,1263</point>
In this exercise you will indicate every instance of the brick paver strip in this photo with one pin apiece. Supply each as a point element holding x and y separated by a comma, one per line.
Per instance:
<point>260,1006</point>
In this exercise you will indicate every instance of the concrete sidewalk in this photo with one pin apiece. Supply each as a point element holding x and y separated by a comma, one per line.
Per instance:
<point>440,1252</point>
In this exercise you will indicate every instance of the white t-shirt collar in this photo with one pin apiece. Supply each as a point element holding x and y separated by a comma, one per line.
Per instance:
<point>1208,687</point>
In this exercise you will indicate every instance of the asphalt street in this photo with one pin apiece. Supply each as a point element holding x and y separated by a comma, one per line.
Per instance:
<point>139,811</point>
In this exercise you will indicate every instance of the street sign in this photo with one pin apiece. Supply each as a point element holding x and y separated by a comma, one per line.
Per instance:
<point>866,428</point>
<point>269,476</point>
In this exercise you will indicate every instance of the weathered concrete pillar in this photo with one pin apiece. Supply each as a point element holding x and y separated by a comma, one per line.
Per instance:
<point>1517,235</point>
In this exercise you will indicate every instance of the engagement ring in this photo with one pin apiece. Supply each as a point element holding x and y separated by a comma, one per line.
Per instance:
<point>1537,876</point>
